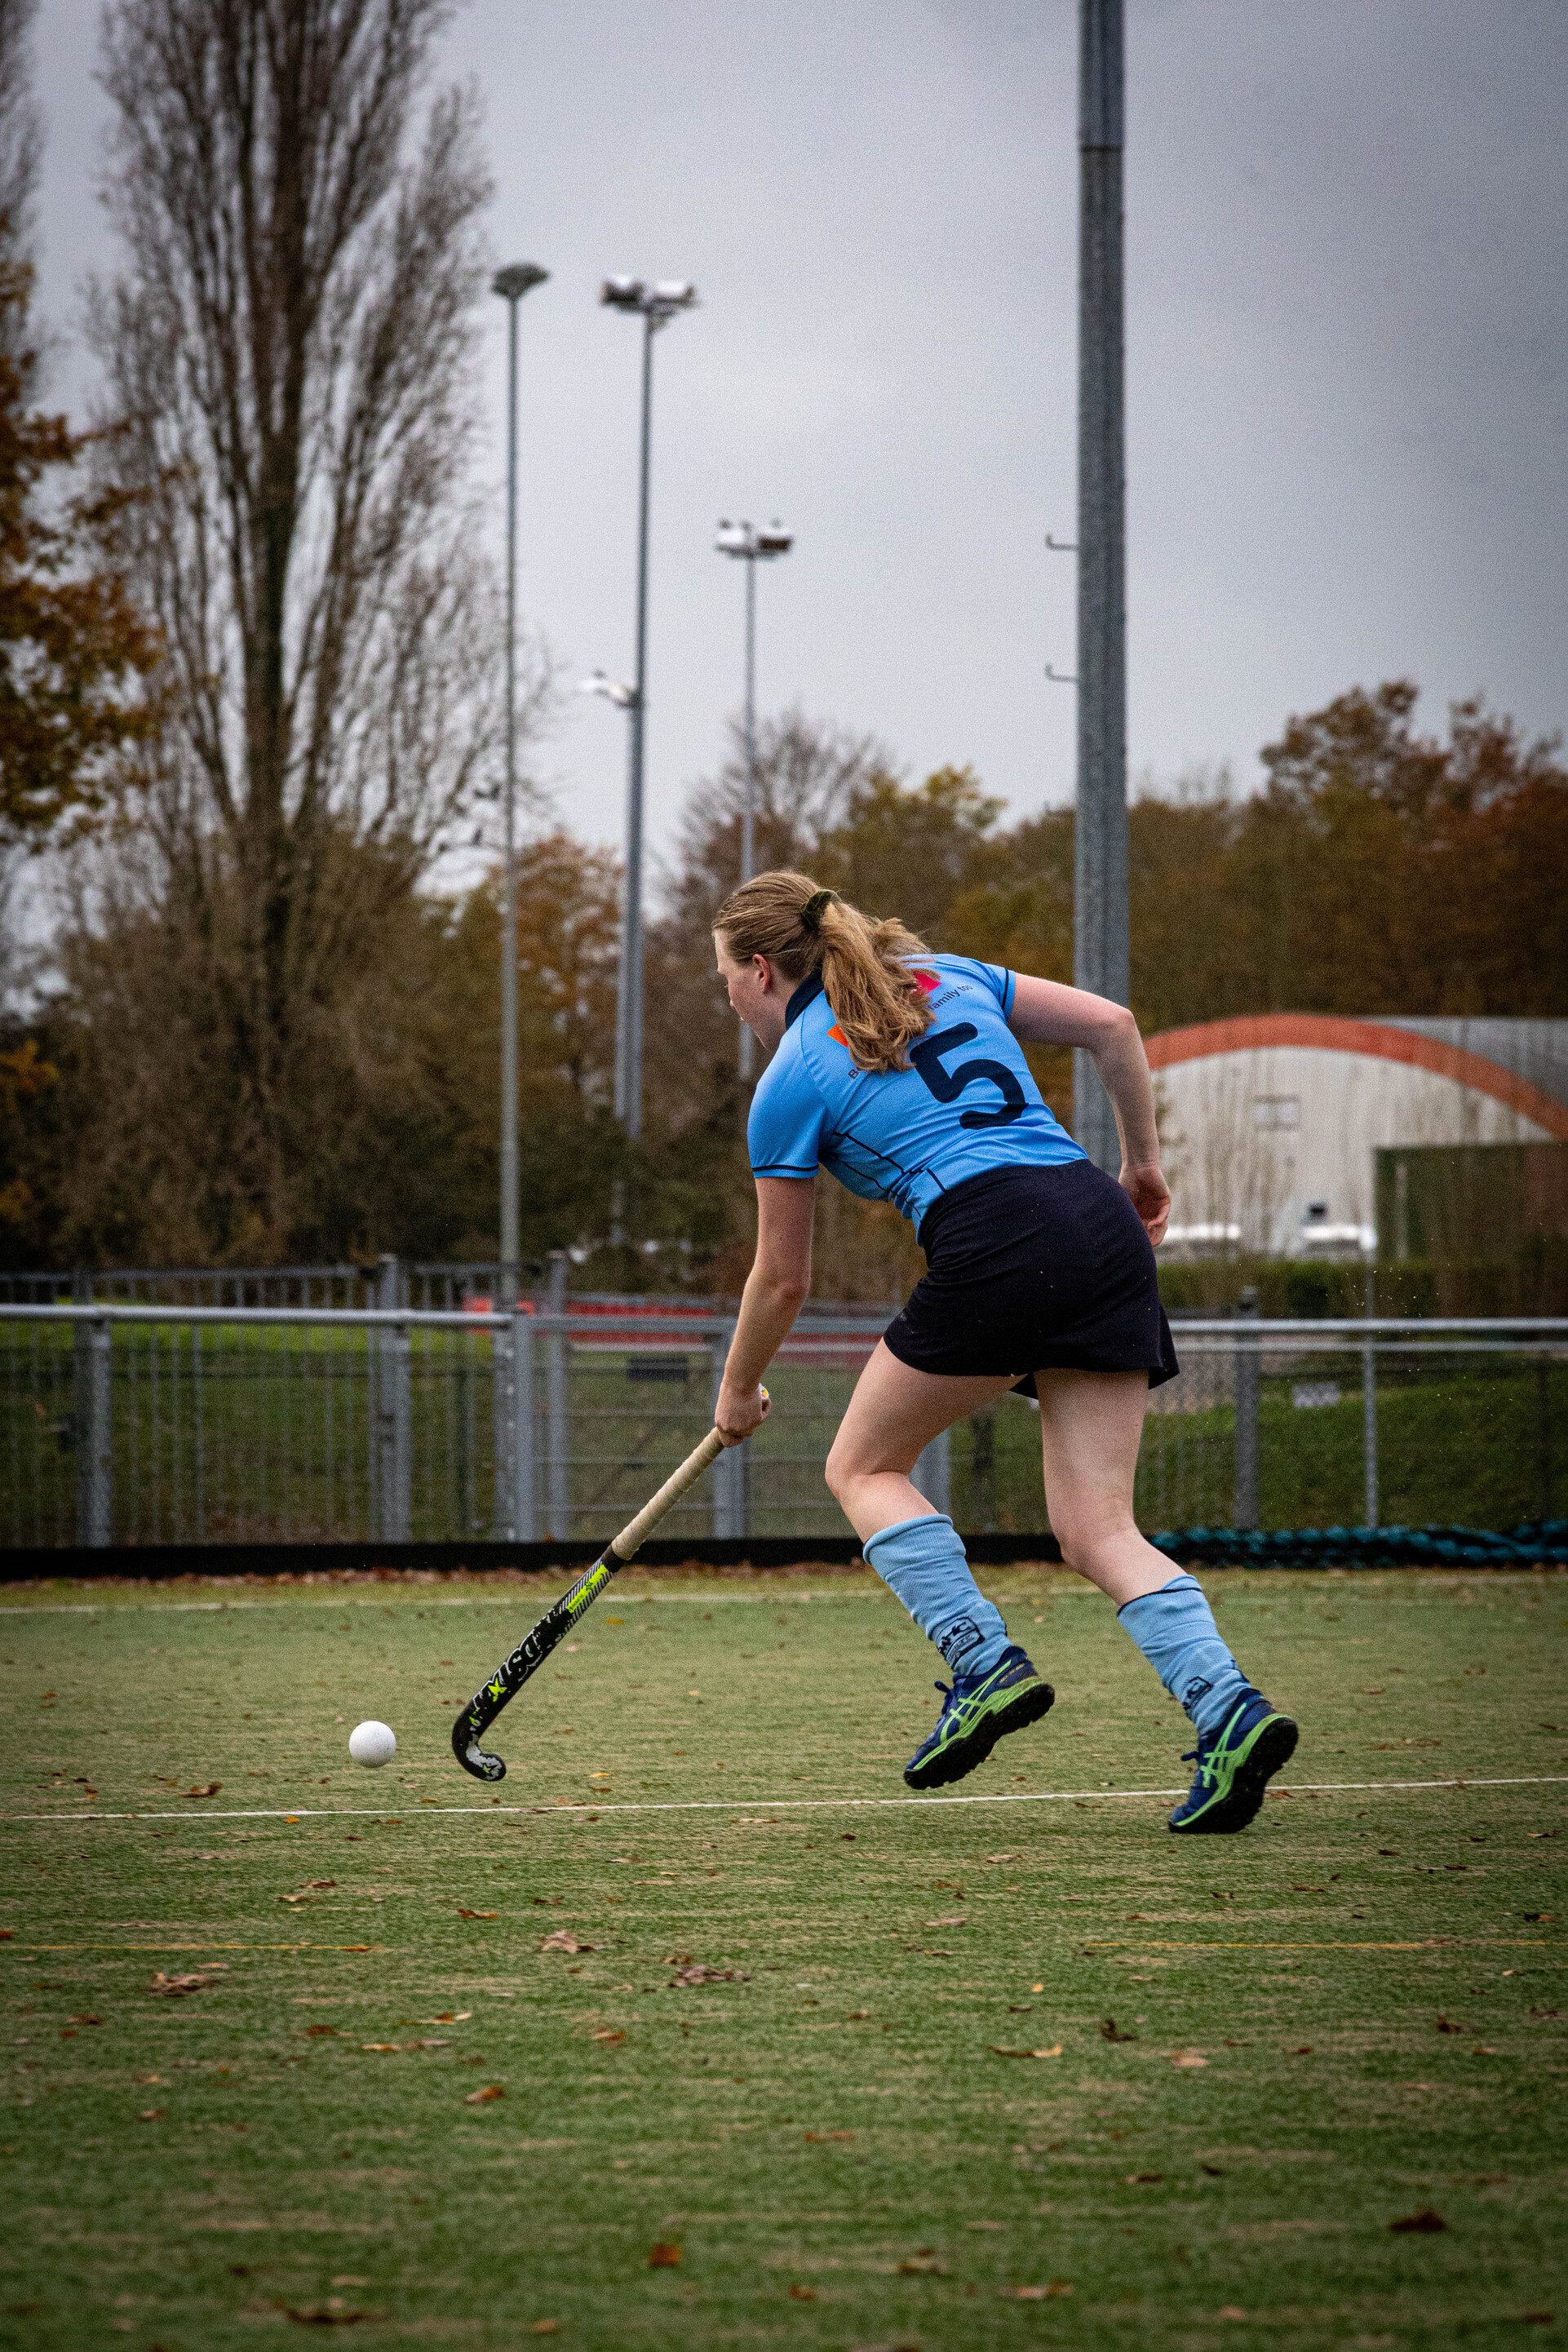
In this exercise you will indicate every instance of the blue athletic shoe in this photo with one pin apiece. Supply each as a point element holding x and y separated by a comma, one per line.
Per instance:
<point>1234,1764</point>
<point>978,1711</point>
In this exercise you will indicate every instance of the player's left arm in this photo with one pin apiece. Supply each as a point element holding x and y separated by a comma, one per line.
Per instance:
<point>776,1292</point>
<point>1047,1013</point>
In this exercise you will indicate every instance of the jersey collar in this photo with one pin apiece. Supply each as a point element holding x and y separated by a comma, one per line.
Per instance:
<point>808,992</point>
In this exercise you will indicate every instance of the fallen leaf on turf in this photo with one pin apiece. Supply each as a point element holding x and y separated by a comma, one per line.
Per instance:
<point>1188,2058</point>
<point>334,2312</point>
<point>378,2045</point>
<point>447,2017</point>
<point>1113,2033</point>
<point>1483,2050</point>
<point>562,1940</point>
<point>698,1972</point>
<point>663,2258</point>
<point>210,1791</point>
<point>1427,2222</point>
<point>1231,2311</point>
<point>151,2115</point>
<point>1136,2179</point>
<point>1214,2171</point>
<point>1037,2293</point>
<point>486,1915</point>
<point>198,1981</point>
<point>491,2091</point>
<point>922,2267</point>
<point>312,2031</point>
<point>803,2293</point>
<point>1446,2025</point>
<point>826,2136</point>
<point>997,2051</point>
<point>545,2327</point>
<point>608,2034</point>
<point>953,1919</point>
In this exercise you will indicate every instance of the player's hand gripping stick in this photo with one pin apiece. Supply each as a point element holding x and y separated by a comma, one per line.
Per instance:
<point>563,1614</point>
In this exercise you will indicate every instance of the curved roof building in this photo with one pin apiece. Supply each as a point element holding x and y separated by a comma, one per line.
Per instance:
<point>1270,1122</point>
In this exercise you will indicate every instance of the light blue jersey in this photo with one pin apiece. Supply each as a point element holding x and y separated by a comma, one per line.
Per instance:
<point>967,1103</point>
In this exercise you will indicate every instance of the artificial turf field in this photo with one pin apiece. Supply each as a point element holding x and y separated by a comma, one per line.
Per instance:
<point>985,2075</point>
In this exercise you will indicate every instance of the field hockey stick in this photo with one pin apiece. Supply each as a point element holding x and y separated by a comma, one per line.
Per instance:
<point>562,1615</point>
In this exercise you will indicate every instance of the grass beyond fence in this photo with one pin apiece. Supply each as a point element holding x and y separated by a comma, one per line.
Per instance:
<point>778,2068</point>
<point>278,1434</point>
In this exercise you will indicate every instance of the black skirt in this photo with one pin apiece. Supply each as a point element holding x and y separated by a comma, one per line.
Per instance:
<point>1028,1269</point>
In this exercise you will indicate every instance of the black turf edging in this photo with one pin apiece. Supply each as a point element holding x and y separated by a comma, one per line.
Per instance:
<point>1356,1548</point>
<point>147,1562</point>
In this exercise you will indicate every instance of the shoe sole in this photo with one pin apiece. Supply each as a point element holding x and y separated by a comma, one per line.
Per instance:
<point>961,1757</point>
<point>1273,1746</point>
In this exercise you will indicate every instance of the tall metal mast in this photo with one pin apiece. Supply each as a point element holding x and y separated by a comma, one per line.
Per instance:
<point>1100,891</point>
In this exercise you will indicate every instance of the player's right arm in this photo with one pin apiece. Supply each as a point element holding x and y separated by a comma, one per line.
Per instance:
<point>1047,1013</point>
<point>776,1292</point>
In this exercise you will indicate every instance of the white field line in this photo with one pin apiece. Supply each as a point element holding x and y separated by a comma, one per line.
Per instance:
<point>748,1806</point>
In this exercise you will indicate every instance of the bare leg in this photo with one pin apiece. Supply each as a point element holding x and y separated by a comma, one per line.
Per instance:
<point>1090,1427</point>
<point>893,1415</point>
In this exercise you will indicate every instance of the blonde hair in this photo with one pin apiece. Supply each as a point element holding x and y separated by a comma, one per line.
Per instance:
<point>877,1001</point>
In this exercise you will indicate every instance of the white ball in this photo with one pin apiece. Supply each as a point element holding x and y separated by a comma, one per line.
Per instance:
<point>373,1743</point>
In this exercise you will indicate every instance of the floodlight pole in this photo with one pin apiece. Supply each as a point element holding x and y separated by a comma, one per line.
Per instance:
<point>511,284</point>
<point>629,994</point>
<point>655,305</point>
<point>1099,880</point>
<point>752,547</point>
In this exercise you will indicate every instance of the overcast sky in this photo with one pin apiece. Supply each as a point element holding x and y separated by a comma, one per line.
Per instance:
<point>1347,380</point>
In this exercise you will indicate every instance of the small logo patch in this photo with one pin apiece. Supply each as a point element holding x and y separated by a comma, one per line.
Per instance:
<point>959,1639</point>
<point>1194,1692</point>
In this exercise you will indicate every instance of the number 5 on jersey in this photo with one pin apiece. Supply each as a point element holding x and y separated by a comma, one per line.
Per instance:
<point>948,1085</point>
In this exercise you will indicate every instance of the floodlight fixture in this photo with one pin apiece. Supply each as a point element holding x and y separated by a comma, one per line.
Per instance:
<point>518,278</point>
<point>622,696</point>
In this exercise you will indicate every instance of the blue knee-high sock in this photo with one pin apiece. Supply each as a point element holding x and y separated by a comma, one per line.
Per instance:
<point>1174,1628</point>
<point>924,1562</point>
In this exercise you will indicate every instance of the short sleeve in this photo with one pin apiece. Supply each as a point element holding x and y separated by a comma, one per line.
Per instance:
<point>784,1133</point>
<point>993,976</point>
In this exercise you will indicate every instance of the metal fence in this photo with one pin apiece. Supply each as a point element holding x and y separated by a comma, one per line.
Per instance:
<point>319,1422</point>
<point>385,1282</point>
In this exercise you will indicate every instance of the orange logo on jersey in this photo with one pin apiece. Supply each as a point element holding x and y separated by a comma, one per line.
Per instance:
<point>926,982</point>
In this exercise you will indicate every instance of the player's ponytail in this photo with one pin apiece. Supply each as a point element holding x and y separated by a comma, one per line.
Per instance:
<point>876,1000</point>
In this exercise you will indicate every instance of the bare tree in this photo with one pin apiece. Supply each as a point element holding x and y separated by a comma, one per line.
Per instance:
<point>807,773</point>
<point>21,130</point>
<point>288,348</point>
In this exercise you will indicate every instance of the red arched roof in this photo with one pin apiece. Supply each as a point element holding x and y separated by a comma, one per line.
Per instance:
<point>1330,1033</point>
